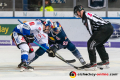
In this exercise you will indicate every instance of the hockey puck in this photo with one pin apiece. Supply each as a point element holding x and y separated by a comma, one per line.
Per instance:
<point>101,68</point>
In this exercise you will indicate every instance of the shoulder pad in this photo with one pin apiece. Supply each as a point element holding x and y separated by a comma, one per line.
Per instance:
<point>26,27</point>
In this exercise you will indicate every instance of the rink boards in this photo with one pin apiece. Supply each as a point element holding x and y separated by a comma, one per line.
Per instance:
<point>73,27</point>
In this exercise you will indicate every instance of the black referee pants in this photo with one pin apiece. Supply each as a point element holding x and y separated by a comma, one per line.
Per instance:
<point>97,40</point>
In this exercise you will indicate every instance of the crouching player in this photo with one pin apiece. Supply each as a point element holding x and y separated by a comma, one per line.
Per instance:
<point>59,40</point>
<point>24,34</point>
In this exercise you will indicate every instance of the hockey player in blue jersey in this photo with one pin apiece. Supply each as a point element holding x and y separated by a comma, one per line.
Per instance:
<point>22,38</point>
<point>58,40</point>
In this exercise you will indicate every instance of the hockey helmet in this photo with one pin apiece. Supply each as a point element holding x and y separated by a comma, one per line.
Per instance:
<point>40,20</point>
<point>48,22</point>
<point>78,8</point>
<point>56,26</point>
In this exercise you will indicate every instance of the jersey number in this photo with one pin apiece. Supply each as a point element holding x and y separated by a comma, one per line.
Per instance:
<point>65,43</point>
<point>31,23</point>
<point>89,14</point>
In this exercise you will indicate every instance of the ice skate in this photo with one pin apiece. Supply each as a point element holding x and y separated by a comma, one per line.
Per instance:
<point>103,64</point>
<point>24,66</point>
<point>82,61</point>
<point>90,67</point>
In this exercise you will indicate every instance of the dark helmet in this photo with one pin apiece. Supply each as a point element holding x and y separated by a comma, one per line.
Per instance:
<point>78,8</point>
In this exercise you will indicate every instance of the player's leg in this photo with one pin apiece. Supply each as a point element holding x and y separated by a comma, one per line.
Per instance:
<point>75,52</point>
<point>38,53</point>
<point>24,57</point>
<point>104,57</point>
<point>31,55</point>
<point>101,49</point>
<point>92,54</point>
<point>102,52</point>
<point>21,44</point>
<point>96,39</point>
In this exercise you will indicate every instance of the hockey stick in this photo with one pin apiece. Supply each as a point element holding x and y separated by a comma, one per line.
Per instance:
<point>61,58</point>
<point>56,54</point>
<point>66,61</point>
<point>69,61</point>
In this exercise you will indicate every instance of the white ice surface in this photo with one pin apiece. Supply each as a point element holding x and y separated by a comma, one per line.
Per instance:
<point>47,68</point>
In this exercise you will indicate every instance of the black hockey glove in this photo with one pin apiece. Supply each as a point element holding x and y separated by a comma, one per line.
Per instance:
<point>51,52</point>
<point>29,38</point>
<point>55,46</point>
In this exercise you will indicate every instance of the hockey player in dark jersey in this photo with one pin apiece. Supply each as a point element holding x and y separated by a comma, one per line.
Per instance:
<point>100,31</point>
<point>59,40</point>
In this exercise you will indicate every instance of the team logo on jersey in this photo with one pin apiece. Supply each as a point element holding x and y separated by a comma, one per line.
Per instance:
<point>65,37</point>
<point>22,39</point>
<point>52,38</point>
<point>39,28</point>
<point>43,35</point>
<point>116,33</point>
<point>72,74</point>
<point>57,38</point>
<point>39,22</point>
<point>65,43</point>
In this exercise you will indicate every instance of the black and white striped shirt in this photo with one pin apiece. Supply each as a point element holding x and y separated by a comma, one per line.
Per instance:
<point>93,22</point>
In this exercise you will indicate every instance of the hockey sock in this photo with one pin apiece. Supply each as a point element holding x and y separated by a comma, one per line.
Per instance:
<point>77,54</point>
<point>24,57</point>
<point>38,53</point>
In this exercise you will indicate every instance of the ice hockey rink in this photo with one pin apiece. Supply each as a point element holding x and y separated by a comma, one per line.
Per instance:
<point>47,68</point>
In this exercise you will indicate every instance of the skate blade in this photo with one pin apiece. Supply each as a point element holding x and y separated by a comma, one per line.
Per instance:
<point>23,69</point>
<point>91,69</point>
<point>104,66</point>
<point>31,70</point>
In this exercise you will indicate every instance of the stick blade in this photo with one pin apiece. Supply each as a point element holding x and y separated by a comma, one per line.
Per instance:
<point>71,61</point>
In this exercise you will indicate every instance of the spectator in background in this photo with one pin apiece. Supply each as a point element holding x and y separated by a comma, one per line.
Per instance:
<point>34,5</point>
<point>48,6</point>
<point>112,0</point>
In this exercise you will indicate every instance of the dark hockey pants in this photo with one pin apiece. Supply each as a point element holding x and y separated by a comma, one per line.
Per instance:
<point>97,40</point>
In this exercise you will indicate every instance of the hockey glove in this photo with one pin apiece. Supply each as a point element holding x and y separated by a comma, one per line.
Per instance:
<point>29,38</point>
<point>55,46</point>
<point>51,53</point>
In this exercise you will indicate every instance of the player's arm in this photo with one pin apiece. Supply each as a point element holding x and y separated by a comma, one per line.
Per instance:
<point>26,29</point>
<point>30,38</point>
<point>26,32</point>
<point>44,42</point>
<point>87,22</point>
<point>51,41</point>
<point>50,51</point>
